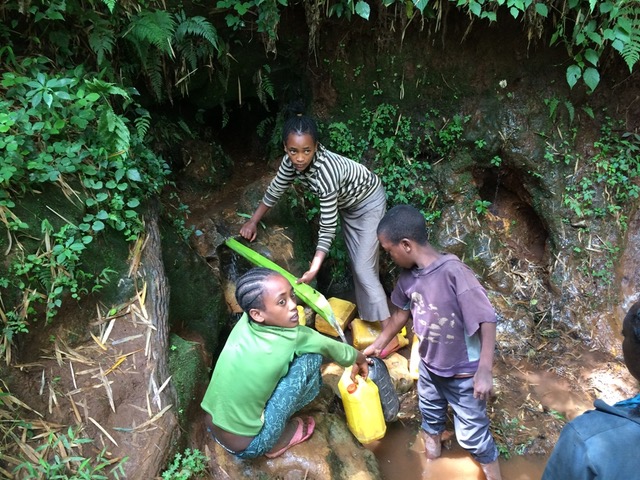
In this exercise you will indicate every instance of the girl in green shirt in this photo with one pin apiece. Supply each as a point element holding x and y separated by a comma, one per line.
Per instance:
<point>269,369</point>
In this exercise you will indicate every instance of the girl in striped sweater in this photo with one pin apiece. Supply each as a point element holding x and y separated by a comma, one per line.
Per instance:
<point>344,187</point>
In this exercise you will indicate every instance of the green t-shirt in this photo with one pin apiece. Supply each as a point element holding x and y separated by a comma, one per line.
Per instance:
<point>252,362</point>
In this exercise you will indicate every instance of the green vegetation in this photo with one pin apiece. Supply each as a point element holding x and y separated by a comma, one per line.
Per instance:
<point>586,28</point>
<point>609,181</point>
<point>481,206</point>
<point>73,131</point>
<point>61,457</point>
<point>400,150</point>
<point>512,437</point>
<point>185,466</point>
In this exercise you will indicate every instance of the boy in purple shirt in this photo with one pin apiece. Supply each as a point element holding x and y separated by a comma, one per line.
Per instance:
<point>456,326</point>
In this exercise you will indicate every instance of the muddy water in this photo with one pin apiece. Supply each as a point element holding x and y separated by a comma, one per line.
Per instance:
<point>400,456</point>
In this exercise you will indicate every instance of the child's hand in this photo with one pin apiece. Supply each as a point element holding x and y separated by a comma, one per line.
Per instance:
<point>372,351</point>
<point>307,277</point>
<point>361,367</point>
<point>249,230</point>
<point>483,384</point>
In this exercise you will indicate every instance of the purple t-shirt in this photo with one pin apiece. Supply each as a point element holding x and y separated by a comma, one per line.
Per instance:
<point>448,304</point>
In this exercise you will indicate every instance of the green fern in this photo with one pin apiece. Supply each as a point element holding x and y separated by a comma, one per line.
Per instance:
<point>142,122</point>
<point>114,132</point>
<point>101,39</point>
<point>264,85</point>
<point>110,4</point>
<point>629,22</point>
<point>196,26</point>
<point>154,28</point>
<point>261,128</point>
<point>153,69</point>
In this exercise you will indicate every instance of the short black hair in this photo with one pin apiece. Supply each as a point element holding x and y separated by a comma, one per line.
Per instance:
<point>633,317</point>
<point>250,288</point>
<point>403,221</point>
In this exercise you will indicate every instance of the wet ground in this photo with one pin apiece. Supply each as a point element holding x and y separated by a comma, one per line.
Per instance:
<point>400,456</point>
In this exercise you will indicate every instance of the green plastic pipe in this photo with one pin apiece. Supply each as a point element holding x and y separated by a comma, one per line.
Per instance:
<point>304,292</point>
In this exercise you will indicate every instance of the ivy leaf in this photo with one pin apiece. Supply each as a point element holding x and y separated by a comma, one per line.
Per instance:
<point>48,98</point>
<point>420,4</point>
<point>591,78</point>
<point>134,175</point>
<point>606,7</point>
<point>591,56</point>
<point>475,8</point>
<point>574,72</point>
<point>97,226</point>
<point>490,15</point>
<point>363,9</point>
<point>541,9</point>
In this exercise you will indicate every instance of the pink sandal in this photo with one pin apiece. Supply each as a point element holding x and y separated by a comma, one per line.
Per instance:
<point>298,436</point>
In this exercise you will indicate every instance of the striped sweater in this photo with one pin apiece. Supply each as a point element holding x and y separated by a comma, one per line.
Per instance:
<point>339,182</point>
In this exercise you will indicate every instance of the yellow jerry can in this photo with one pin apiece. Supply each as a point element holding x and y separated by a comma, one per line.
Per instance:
<point>365,333</point>
<point>362,407</point>
<point>344,312</point>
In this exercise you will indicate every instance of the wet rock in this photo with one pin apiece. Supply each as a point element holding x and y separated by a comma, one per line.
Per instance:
<point>332,452</point>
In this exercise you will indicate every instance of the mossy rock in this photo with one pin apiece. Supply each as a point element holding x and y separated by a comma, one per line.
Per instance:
<point>188,363</point>
<point>197,301</point>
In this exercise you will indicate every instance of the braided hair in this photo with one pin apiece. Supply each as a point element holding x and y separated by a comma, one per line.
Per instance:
<point>250,288</point>
<point>298,123</point>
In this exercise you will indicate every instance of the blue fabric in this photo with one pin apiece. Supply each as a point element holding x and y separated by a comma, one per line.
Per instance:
<point>470,420</point>
<point>295,390</point>
<point>632,402</point>
<point>599,444</point>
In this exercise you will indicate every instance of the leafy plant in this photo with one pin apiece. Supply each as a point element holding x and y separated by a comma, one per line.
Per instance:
<point>159,37</point>
<point>60,457</point>
<point>585,27</point>
<point>482,206</point>
<point>608,183</point>
<point>185,466</point>
<point>511,437</point>
<point>64,130</point>
<point>264,86</point>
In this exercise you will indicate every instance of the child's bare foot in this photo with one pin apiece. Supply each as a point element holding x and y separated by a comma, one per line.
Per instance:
<point>296,431</point>
<point>491,470</point>
<point>433,443</point>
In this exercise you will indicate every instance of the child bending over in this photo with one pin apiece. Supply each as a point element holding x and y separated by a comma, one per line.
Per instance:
<point>347,190</point>
<point>456,326</point>
<point>268,370</point>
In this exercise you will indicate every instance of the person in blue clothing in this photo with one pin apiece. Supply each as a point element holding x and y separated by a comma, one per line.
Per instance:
<point>602,443</point>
